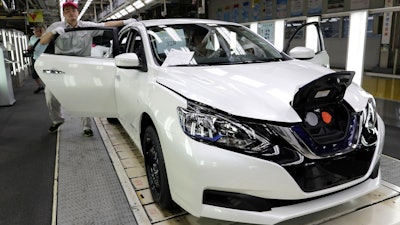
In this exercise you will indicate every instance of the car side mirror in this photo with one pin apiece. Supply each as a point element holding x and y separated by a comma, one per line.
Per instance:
<point>302,53</point>
<point>127,61</point>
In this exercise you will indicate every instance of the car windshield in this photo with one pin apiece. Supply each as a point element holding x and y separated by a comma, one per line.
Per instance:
<point>208,44</point>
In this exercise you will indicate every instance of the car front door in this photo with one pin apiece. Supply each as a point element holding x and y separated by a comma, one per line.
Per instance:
<point>131,79</point>
<point>83,81</point>
<point>317,54</point>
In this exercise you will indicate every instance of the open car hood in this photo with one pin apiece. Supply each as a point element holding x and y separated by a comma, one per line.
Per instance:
<point>324,90</point>
<point>261,91</point>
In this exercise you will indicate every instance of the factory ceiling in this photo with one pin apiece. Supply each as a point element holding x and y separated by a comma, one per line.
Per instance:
<point>18,14</point>
<point>15,14</point>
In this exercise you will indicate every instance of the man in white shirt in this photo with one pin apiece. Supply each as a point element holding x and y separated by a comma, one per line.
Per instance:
<point>71,44</point>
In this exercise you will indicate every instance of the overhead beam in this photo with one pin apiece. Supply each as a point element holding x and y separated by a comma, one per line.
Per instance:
<point>5,6</point>
<point>12,17</point>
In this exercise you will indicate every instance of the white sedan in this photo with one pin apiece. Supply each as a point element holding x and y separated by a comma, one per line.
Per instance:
<point>230,128</point>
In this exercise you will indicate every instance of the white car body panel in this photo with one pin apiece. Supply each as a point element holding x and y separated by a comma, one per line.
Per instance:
<point>293,211</point>
<point>202,160</point>
<point>321,58</point>
<point>76,98</point>
<point>250,85</point>
<point>318,56</point>
<point>258,91</point>
<point>91,93</point>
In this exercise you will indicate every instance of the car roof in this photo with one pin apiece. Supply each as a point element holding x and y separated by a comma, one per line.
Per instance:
<point>157,22</point>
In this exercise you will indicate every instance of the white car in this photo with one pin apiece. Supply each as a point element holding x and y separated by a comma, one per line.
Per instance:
<point>239,131</point>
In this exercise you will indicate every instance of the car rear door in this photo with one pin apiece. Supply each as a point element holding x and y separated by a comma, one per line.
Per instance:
<point>320,55</point>
<point>82,81</point>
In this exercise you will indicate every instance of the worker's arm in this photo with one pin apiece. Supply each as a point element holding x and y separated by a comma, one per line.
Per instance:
<point>47,37</point>
<point>118,23</point>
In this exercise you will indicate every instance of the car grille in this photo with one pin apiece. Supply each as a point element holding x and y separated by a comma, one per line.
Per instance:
<point>251,203</point>
<point>317,165</point>
<point>314,175</point>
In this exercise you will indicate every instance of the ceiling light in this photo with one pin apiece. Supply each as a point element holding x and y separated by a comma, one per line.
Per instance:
<point>130,8</point>
<point>118,15</point>
<point>138,4</point>
<point>123,12</point>
<point>87,4</point>
<point>148,1</point>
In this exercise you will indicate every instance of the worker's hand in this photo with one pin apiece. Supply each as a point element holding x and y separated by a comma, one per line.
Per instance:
<point>58,30</point>
<point>128,21</point>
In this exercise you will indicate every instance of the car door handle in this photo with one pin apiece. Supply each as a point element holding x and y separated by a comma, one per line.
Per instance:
<point>53,71</point>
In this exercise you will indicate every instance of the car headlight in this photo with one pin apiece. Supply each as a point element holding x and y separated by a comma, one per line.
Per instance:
<point>370,114</point>
<point>212,127</point>
<point>369,131</point>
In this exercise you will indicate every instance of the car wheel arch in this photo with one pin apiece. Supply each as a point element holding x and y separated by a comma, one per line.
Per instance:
<point>145,122</point>
<point>149,131</point>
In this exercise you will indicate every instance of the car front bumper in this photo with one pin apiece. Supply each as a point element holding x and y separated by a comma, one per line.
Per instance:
<point>194,167</point>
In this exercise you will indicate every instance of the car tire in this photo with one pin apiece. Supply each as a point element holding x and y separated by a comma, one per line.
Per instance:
<point>155,169</point>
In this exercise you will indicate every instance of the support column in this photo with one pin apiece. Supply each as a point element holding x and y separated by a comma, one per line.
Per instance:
<point>311,34</point>
<point>279,34</point>
<point>356,44</point>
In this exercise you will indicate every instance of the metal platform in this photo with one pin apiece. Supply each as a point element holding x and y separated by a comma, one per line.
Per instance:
<point>105,177</point>
<point>89,191</point>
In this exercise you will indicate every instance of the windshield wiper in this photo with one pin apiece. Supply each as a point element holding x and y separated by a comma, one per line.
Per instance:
<point>185,65</point>
<point>268,60</point>
<point>260,60</point>
<point>251,61</point>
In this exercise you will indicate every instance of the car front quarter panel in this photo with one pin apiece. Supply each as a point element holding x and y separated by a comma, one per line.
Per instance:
<point>357,97</point>
<point>195,166</point>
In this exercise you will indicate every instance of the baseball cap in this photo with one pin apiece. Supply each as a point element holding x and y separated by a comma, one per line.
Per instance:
<point>70,3</point>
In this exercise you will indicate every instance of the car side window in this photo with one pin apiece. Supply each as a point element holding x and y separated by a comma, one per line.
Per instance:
<point>130,41</point>
<point>85,42</point>
<point>123,42</point>
<point>137,47</point>
<point>102,47</point>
